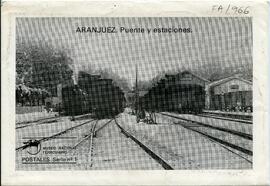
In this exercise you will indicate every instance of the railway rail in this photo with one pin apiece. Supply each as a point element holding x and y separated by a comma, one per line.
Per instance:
<point>230,115</point>
<point>154,155</point>
<point>92,125</point>
<point>237,133</point>
<point>213,137</point>
<point>40,122</point>
<point>47,120</point>
<point>54,135</point>
<point>155,152</point>
<point>225,118</point>
<point>92,133</point>
<point>90,136</point>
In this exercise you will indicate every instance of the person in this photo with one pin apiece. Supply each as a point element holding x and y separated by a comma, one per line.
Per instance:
<point>140,115</point>
<point>180,107</point>
<point>238,106</point>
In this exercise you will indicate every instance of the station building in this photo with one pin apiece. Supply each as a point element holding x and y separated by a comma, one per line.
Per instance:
<point>229,94</point>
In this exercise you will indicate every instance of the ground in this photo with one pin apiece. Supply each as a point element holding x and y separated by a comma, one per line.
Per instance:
<point>110,149</point>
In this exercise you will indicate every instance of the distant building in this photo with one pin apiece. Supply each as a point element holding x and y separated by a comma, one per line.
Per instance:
<point>184,78</point>
<point>232,93</point>
<point>183,92</point>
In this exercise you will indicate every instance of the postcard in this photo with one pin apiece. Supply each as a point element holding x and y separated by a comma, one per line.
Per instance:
<point>135,93</point>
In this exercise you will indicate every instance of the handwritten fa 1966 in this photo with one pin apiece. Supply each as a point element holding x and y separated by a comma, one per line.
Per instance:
<point>231,9</point>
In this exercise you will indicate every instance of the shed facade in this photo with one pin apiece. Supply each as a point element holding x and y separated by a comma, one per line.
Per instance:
<point>182,92</point>
<point>231,94</point>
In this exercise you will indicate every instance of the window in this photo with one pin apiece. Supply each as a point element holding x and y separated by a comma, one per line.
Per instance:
<point>234,87</point>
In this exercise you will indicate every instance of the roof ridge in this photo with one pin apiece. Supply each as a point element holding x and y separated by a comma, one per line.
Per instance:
<point>214,83</point>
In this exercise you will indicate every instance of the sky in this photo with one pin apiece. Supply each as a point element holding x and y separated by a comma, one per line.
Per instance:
<point>219,42</point>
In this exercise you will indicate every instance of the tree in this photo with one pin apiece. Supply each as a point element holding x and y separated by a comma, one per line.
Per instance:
<point>31,96</point>
<point>23,65</point>
<point>42,67</point>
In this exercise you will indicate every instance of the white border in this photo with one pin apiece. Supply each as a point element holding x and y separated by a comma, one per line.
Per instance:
<point>258,176</point>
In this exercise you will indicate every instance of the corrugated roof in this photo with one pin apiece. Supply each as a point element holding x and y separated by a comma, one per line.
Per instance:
<point>186,71</point>
<point>197,76</point>
<point>218,82</point>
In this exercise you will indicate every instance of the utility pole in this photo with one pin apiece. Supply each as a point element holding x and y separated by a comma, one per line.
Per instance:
<point>136,92</point>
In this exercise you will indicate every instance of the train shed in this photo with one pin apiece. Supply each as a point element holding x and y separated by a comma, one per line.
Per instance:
<point>174,92</point>
<point>230,94</point>
<point>103,94</point>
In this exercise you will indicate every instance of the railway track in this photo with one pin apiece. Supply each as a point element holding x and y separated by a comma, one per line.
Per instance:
<point>46,121</point>
<point>54,135</point>
<point>225,118</point>
<point>37,122</point>
<point>151,153</point>
<point>215,133</point>
<point>237,133</point>
<point>90,136</point>
<point>231,115</point>
<point>96,155</point>
<point>92,133</point>
<point>93,126</point>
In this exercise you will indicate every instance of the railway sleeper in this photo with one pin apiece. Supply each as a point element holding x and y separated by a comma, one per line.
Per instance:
<point>156,157</point>
<point>241,134</point>
<point>236,147</point>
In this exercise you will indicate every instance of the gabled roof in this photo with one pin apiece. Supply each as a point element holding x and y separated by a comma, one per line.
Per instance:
<point>186,71</point>
<point>199,77</point>
<point>218,82</point>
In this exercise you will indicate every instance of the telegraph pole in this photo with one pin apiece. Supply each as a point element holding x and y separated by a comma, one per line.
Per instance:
<point>136,92</point>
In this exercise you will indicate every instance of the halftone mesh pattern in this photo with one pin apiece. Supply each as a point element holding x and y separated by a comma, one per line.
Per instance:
<point>134,100</point>
<point>215,42</point>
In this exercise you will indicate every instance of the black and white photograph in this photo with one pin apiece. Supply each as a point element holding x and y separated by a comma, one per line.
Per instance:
<point>134,93</point>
